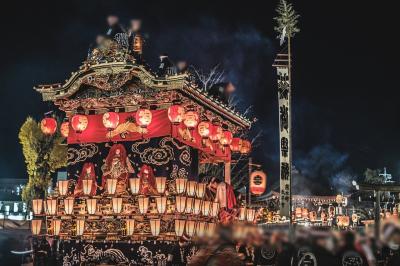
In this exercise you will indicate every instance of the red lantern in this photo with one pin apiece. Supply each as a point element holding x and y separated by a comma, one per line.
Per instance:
<point>143,117</point>
<point>236,144</point>
<point>48,126</point>
<point>215,133</point>
<point>191,119</point>
<point>64,129</point>
<point>204,128</point>
<point>246,147</point>
<point>110,120</point>
<point>79,123</point>
<point>226,138</point>
<point>176,114</point>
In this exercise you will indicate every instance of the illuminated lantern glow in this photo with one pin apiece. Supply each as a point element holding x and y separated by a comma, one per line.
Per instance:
<point>191,119</point>
<point>48,125</point>
<point>143,204</point>
<point>201,190</point>
<point>161,204</point>
<point>206,207</point>
<point>190,228</point>
<point>250,215</point>
<point>87,186</point>
<point>304,213</point>
<point>62,187</point>
<point>179,227</point>
<point>155,226</point>
<point>56,226</point>
<point>64,129</point>
<point>117,205</point>
<point>258,182</point>
<point>110,120</point>
<point>203,129</point>
<point>191,188</point>
<point>189,205</point>
<point>226,138</point>
<point>130,226</point>
<point>200,229</point>
<point>176,114</point>
<point>79,123</point>
<point>160,184</point>
<point>210,229</point>
<point>111,185</point>
<point>180,185</point>
<point>134,184</point>
<point>143,117</point>
<point>91,206</point>
<point>180,204</point>
<point>236,144</point>
<point>36,226</point>
<point>215,209</point>
<point>80,227</point>
<point>246,147</point>
<point>313,216</point>
<point>242,214</point>
<point>215,133</point>
<point>51,206</point>
<point>37,206</point>
<point>69,205</point>
<point>196,206</point>
<point>298,212</point>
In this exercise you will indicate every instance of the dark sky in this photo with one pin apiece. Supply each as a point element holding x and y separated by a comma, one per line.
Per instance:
<point>346,111</point>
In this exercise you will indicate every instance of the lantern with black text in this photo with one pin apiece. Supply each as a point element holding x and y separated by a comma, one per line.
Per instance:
<point>250,215</point>
<point>204,129</point>
<point>201,190</point>
<point>180,185</point>
<point>64,129</point>
<point>51,206</point>
<point>56,226</point>
<point>134,184</point>
<point>130,226</point>
<point>143,117</point>
<point>37,206</point>
<point>215,133</point>
<point>179,227</point>
<point>191,188</point>
<point>206,207</point>
<point>160,184</point>
<point>196,206</point>
<point>155,226</point>
<point>80,227</point>
<point>258,182</point>
<point>180,204</point>
<point>246,147</point>
<point>190,228</point>
<point>62,187</point>
<point>91,206</point>
<point>69,205</point>
<point>79,123</point>
<point>176,114</point>
<point>36,226</point>
<point>189,205</point>
<point>191,119</point>
<point>226,138</point>
<point>48,125</point>
<point>236,144</point>
<point>110,120</point>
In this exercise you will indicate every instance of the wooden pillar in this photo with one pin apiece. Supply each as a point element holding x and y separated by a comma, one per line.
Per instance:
<point>227,172</point>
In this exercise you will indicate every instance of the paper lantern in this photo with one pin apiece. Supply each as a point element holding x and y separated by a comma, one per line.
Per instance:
<point>143,204</point>
<point>160,184</point>
<point>64,129</point>
<point>190,228</point>
<point>48,125</point>
<point>87,186</point>
<point>37,206</point>
<point>56,226</point>
<point>79,123</point>
<point>155,226</point>
<point>51,206</point>
<point>206,207</point>
<point>191,188</point>
<point>189,205</point>
<point>304,213</point>
<point>258,182</point>
<point>179,227</point>
<point>180,185</point>
<point>298,212</point>
<point>80,227</point>
<point>62,187</point>
<point>161,204</point>
<point>191,119</point>
<point>204,129</point>
<point>196,206</point>
<point>143,117</point>
<point>215,133</point>
<point>214,209</point>
<point>111,185</point>
<point>176,114</point>
<point>36,226</point>
<point>91,206</point>
<point>242,214</point>
<point>180,203</point>
<point>69,205</point>
<point>246,147</point>
<point>201,190</point>
<point>250,215</point>
<point>130,226</point>
<point>226,138</point>
<point>117,205</point>
<point>134,184</point>
<point>236,144</point>
<point>200,229</point>
<point>110,120</point>
<point>210,231</point>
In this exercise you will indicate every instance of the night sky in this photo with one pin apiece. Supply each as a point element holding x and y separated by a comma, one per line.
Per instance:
<point>346,111</point>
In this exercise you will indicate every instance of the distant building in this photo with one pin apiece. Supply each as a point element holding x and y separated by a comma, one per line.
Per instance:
<point>11,205</point>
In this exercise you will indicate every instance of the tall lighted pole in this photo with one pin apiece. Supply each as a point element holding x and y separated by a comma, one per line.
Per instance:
<point>287,20</point>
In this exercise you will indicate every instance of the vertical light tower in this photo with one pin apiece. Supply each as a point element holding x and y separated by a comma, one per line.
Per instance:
<point>286,20</point>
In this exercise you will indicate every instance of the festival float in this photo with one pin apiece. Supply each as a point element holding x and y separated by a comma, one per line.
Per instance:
<point>136,140</point>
